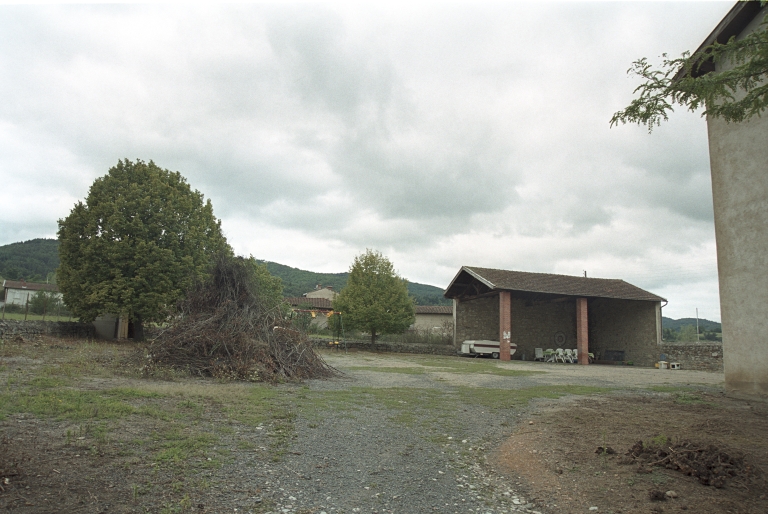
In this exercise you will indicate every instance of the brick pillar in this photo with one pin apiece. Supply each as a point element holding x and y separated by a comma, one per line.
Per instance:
<point>505,324</point>
<point>582,332</point>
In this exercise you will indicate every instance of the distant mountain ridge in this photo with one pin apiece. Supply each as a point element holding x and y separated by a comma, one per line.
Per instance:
<point>704,324</point>
<point>33,260</point>
<point>296,282</point>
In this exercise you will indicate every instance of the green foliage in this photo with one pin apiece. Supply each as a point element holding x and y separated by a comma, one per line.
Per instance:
<point>376,299</point>
<point>139,240</point>
<point>262,284</point>
<point>687,334</point>
<point>734,94</point>
<point>668,334</point>
<point>45,302</point>
<point>301,321</point>
<point>31,260</point>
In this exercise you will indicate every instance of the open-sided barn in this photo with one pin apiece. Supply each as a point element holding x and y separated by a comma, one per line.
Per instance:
<point>610,318</point>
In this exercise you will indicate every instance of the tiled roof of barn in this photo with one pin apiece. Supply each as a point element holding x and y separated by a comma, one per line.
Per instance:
<point>30,286</point>
<point>547,283</point>
<point>434,309</point>
<point>318,303</point>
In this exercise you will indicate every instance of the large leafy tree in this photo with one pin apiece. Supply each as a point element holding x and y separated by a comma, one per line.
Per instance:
<point>137,243</point>
<point>737,93</point>
<point>376,298</point>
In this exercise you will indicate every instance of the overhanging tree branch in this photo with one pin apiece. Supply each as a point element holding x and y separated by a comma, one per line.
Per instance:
<point>734,94</point>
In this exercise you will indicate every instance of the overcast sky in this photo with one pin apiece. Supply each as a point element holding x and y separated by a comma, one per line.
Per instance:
<point>441,135</point>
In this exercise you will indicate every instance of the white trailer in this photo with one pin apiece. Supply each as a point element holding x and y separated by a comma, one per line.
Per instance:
<point>484,347</point>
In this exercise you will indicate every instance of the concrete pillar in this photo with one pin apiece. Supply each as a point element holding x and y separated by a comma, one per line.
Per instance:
<point>505,324</point>
<point>582,331</point>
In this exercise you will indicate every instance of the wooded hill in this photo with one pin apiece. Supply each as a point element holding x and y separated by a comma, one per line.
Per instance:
<point>705,325</point>
<point>33,260</point>
<point>296,282</point>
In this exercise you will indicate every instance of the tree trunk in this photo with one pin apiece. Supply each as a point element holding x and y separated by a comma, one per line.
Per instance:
<point>373,338</point>
<point>138,329</point>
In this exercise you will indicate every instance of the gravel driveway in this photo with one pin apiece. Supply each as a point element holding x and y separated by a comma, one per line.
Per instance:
<point>391,448</point>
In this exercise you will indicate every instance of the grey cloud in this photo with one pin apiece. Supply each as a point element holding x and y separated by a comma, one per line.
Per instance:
<point>323,65</point>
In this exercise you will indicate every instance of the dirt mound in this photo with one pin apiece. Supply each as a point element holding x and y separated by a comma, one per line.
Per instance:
<point>706,462</point>
<point>228,329</point>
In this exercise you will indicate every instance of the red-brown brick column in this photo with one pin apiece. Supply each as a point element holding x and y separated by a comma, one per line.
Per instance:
<point>505,324</point>
<point>582,332</point>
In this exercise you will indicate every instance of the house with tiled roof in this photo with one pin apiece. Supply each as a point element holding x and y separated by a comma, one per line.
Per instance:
<point>318,307</point>
<point>432,317</point>
<point>19,292</point>
<point>610,318</point>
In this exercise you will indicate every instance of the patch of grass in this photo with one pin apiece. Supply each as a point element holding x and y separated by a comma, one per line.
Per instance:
<point>180,447</point>
<point>63,404</point>
<point>510,398</point>
<point>404,370</point>
<point>690,399</point>
<point>131,392</point>
<point>19,316</point>
<point>47,382</point>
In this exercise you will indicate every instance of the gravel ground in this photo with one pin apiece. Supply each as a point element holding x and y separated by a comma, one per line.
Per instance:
<point>377,440</point>
<point>366,461</point>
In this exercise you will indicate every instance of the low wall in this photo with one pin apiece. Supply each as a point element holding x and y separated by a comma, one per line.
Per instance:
<point>704,356</point>
<point>429,349</point>
<point>10,328</point>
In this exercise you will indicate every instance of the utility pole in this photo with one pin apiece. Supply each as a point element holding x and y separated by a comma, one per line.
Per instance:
<point>697,324</point>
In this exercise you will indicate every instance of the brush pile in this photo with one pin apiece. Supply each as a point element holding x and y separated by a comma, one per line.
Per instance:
<point>709,464</point>
<point>226,328</point>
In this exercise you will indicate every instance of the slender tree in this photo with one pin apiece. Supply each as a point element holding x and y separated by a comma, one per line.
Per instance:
<point>136,244</point>
<point>376,298</point>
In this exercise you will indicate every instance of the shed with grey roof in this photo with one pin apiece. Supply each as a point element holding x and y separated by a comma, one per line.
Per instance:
<point>611,318</point>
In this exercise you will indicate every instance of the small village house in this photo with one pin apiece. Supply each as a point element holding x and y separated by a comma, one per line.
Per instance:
<point>19,292</point>
<point>326,292</point>
<point>433,317</point>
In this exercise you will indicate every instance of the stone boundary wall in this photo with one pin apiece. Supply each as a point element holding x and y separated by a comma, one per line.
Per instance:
<point>12,328</point>
<point>428,349</point>
<point>706,356</point>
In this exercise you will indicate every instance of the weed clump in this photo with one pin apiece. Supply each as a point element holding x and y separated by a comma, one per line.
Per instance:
<point>231,327</point>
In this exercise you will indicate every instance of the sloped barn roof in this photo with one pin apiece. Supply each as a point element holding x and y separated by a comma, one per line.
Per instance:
<point>318,303</point>
<point>433,309</point>
<point>29,286</point>
<point>473,281</point>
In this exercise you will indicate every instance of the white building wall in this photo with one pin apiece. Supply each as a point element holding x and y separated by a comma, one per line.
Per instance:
<point>738,155</point>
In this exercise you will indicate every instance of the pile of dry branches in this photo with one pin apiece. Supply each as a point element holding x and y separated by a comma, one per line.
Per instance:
<point>226,329</point>
<point>708,463</point>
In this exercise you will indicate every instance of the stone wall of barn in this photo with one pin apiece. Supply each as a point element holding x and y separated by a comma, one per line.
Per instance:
<point>628,326</point>
<point>542,325</point>
<point>704,356</point>
<point>477,319</point>
<point>624,325</point>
